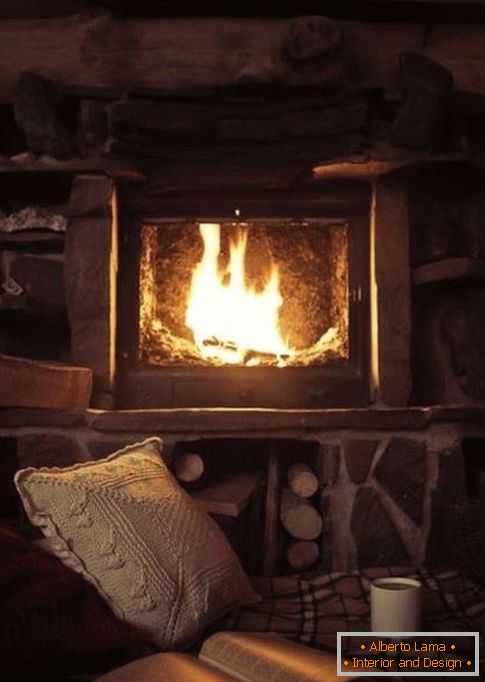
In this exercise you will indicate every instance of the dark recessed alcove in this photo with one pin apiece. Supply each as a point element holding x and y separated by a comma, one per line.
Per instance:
<point>255,532</point>
<point>9,499</point>
<point>473,451</point>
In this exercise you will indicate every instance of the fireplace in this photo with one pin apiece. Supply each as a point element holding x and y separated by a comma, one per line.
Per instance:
<point>258,301</point>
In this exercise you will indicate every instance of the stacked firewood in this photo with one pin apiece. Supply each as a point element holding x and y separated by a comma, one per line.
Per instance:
<point>292,522</point>
<point>299,517</point>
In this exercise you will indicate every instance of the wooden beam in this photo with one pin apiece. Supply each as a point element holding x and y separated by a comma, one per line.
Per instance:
<point>390,292</point>
<point>271,525</point>
<point>401,161</point>
<point>175,54</point>
<point>110,51</point>
<point>90,269</point>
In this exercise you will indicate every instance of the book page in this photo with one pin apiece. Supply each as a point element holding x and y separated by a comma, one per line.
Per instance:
<point>266,658</point>
<point>165,667</point>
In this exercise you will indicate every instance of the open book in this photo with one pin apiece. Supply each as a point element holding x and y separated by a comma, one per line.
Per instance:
<point>229,656</point>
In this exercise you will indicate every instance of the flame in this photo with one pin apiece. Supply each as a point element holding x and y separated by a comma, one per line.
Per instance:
<point>230,319</point>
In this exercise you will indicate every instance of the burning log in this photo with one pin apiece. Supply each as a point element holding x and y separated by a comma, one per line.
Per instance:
<point>189,467</point>
<point>302,554</point>
<point>217,343</point>
<point>298,517</point>
<point>253,357</point>
<point>301,479</point>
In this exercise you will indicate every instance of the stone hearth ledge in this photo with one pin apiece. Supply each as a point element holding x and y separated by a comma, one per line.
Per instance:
<point>196,420</point>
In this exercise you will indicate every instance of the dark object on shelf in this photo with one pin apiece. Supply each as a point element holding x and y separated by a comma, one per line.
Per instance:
<point>463,328</point>
<point>424,120</point>
<point>36,106</point>
<point>465,528</point>
<point>29,333</point>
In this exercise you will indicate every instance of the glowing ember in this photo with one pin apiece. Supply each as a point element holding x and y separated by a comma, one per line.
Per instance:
<point>231,320</point>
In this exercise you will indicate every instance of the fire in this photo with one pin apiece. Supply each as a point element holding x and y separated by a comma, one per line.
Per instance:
<point>230,320</point>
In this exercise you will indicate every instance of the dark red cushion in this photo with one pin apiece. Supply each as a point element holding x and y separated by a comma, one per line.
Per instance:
<point>48,611</point>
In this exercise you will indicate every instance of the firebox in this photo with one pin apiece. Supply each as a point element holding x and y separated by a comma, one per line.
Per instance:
<point>247,301</point>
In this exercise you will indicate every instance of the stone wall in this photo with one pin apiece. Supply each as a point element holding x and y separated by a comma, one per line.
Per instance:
<point>388,478</point>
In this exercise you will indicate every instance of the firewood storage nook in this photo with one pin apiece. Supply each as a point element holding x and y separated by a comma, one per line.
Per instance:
<point>268,249</point>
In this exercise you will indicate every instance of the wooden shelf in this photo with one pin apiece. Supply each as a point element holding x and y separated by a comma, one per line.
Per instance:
<point>382,162</point>
<point>462,269</point>
<point>201,421</point>
<point>119,169</point>
<point>32,240</point>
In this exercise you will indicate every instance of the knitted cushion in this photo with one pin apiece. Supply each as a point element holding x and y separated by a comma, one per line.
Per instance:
<point>126,525</point>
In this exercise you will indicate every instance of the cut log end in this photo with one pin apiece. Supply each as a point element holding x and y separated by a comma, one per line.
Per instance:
<point>299,518</point>
<point>188,467</point>
<point>302,554</point>
<point>301,479</point>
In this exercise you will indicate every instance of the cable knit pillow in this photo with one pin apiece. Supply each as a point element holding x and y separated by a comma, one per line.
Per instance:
<point>125,524</point>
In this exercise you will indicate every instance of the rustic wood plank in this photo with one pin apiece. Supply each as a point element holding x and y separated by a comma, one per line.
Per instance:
<point>250,119</point>
<point>228,496</point>
<point>211,421</point>
<point>33,241</point>
<point>328,465</point>
<point>271,523</point>
<point>32,383</point>
<point>263,421</point>
<point>91,195</point>
<point>398,160</point>
<point>170,55</point>
<point>119,169</point>
<point>110,51</point>
<point>461,269</point>
<point>90,273</point>
<point>390,292</point>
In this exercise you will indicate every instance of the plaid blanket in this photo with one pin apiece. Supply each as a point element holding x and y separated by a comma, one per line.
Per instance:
<point>312,608</point>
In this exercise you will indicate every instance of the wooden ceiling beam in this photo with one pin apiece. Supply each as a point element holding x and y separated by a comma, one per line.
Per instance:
<point>172,54</point>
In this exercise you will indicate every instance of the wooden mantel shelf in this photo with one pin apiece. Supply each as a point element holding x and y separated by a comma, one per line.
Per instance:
<point>393,161</point>
<point>243,421</point>
<point>121,170</point>
<point>462,269</point>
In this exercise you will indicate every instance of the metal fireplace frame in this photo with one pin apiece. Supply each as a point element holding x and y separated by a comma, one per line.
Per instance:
<point>141,385</point>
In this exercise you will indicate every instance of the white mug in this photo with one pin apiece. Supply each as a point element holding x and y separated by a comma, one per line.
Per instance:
<point>396,605</point>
